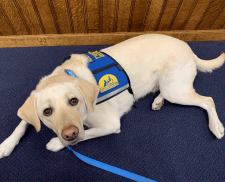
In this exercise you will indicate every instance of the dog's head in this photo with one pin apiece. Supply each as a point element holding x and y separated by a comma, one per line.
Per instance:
<point>60,102</point>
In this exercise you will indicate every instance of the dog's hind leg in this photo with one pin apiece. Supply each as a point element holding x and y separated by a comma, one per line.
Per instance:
<point>158,102</point>
<point>176,86</point>
<point>186,96</point>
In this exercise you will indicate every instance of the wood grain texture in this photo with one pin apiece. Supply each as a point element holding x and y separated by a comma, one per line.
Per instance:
<point>109,7</point>
<point>46,16</point>
<point>139,15</point>
<point>38,16</point>
<point>77,16</point>
<point>132,7</point>
<point>220,21</point>
<point>22,17</point>
<point>7,27</point>
<point>116,12</point>
<point>212,14</point>
<point>54,16</point>
<point>86,26</point>
<point>184,14</point>
<point>93,16</point>
<point>103,38</point>
<point>154,15</point>
<point>169,14</point>
<point>123,15</point>
<point>60,15</point>
<point>13,18</point>
<point>100,16</point>
<point>198,14</point>
<point>70,18</point>
<point>28,16</point>
<point>33,17</point>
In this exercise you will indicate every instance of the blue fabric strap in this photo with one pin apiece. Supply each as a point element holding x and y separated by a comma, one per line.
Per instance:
<point>110,168</point>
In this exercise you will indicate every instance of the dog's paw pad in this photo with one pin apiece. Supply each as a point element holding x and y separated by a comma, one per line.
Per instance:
<point>157,105</point>
<point>54,145</point>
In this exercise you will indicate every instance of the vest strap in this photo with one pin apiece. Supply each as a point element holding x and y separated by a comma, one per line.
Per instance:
<point>104,68</point>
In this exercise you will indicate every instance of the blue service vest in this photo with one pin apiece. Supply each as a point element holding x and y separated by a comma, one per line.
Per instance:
<point>109,74</point>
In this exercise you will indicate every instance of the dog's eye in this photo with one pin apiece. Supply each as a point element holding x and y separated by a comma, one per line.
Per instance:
<point>73,101</point>
<point>47,112</point>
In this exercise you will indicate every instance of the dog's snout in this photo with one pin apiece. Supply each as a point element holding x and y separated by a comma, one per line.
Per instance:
<point>70,133</point>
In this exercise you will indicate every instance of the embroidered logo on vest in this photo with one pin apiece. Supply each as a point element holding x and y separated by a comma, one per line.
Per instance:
<point>96,54</point>
<point>107,82</point>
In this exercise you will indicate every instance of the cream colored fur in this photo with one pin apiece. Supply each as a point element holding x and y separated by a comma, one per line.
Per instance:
<point>153,62</point>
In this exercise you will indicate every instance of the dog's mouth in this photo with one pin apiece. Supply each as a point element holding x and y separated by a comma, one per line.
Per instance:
<point>68,143</point>
<point>74,143</point>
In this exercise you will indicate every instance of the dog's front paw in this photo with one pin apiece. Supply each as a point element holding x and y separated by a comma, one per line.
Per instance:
<point>54,145</point>
<point>7,147</point>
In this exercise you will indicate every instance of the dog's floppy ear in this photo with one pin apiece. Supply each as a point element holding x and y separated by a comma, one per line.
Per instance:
<point>28,111</point>
<point>89,91</point>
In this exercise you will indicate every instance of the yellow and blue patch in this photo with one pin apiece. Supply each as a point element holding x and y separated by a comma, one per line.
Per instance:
<point>107,82</point>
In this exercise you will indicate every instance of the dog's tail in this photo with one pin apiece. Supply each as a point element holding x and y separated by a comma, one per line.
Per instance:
<point>209,65</point>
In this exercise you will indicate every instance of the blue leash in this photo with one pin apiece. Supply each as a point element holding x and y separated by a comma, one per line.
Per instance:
<point>110,168</point>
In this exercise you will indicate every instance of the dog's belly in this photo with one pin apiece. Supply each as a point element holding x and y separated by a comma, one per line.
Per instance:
<point>147,83</point>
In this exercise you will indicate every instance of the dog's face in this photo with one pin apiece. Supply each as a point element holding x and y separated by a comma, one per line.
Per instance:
<point>61,103</point>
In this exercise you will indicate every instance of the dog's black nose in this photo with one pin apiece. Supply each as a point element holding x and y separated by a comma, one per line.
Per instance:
<point>70,133</point>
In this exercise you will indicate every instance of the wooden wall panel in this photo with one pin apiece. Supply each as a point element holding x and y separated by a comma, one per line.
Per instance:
<point>34,17</point>
<point>184,14</point>
<point>211,15</point>
<point>46,18</point>
<point>13,18</point>
<point>123,15</point>
<point>116,13</point>
<point>77,10</point>
<point>140,15</point>
<point>198,14</point>
<point>5,27</point>
<point>171,9</point>
<point>60,15</point>
<point>220,21</point>
<point>70,16</point>
<point>93,15</point>
<point>132,6</point>
<point>109,8</point>
<point>154,15</point>
<point>28,16</point>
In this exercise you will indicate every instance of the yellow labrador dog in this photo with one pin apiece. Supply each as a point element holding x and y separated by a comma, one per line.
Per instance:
<point>153,62</point>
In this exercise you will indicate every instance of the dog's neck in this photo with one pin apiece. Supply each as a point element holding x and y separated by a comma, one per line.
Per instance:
<point>78,64</point>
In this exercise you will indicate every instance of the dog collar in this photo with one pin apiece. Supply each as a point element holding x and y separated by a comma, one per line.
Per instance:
<point>70,72</point>
<point>109,74</point>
